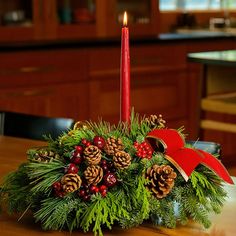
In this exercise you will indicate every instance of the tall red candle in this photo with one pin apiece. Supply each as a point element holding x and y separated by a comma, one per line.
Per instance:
<point>125,74</point>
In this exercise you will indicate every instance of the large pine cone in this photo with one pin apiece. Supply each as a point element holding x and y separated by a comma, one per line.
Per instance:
<point>161,180</point>
<point>122,160</point>
<point>113,145</point>
<point>45,155</point>
<point>92,155</point>
<point>155,122</point>
<point>71,182</point>
<point>93,174</point>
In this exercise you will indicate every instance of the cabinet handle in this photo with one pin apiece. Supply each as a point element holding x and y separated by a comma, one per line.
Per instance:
<point>28,93</point>
<point>26,69</point>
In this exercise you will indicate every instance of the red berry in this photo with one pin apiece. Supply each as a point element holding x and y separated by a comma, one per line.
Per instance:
<point>110,179</point>
<point>102,188</point>
<point>76,160</point>
<point>77,157</point>
<point>104,193</point>
<point>57,186</point>
<point>79,149</point>
<point>94,189</point>
<point>136,144</point>
<point>105,168</point>
<point>82,193</point>
<point>72,169</point>
<point>103,162</point>
<point>86,197</point>
<point>88,144</point>
<point>59,194</point>
<point>83,141</point>
<point>99,142</point>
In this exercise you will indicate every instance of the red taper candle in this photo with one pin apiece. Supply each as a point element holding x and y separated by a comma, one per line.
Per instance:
<point>125,73</point>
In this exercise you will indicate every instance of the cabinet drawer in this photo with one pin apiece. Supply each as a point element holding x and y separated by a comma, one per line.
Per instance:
<point>167,55</point>
<point>153,58</point>
<point>42,67</point>
<point>62,100</point>
<point>162,93</point>
<point>103,60</point>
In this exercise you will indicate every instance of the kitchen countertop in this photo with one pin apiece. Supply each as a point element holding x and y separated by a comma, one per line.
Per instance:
<point>96,42</point>
<point>224,58</point>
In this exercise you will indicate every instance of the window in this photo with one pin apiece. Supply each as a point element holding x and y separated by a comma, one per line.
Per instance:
<point>196,4</point>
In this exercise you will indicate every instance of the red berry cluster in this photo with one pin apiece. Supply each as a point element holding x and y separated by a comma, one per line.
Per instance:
<point>86,191</point>
<point>109,180</point>
<point>57,188</point>
<point>76,162</point>
<point>144,150</point>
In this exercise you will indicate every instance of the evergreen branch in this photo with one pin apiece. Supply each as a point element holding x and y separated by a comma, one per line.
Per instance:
<point>42,175</point>
<point>102,211</point>
<point>53,212</point>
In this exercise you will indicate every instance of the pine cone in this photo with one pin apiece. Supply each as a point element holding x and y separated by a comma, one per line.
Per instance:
<point>161,180</point>
<point>121,160</point>
<point>153,121</point>
<point>113,145</point>
<point>71,182</point>
<point>92,155</point>
<point>45,155</point>
<point>93,174</point>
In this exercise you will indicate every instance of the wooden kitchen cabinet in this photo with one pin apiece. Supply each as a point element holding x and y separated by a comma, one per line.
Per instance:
<point>20,20</point>
<point>64,100</point>
<point>158,83</point>
<point>83,82</point>
<point>46,82</point>
<point>29,20</point>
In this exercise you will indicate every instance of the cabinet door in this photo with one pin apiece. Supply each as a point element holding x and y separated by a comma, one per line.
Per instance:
<point>68,19</point>
<point>92,18</point>
<point>162,93</point>
<point>66,100</point>
<point>142,17</point>
<point>20,20</point>
<point>37,68</point>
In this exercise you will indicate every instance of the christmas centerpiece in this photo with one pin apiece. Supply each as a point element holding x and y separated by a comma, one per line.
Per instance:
<point>98,175</point>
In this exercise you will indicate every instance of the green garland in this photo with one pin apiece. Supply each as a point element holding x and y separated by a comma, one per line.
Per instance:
<point>126,202</point>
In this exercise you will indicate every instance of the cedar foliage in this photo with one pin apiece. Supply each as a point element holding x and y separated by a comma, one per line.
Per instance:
<point>127,204</point>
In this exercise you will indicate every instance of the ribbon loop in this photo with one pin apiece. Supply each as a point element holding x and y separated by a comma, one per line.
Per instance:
<point>170,142</point>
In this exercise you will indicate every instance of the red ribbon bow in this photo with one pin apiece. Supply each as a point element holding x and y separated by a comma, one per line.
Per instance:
<point>170,142</point>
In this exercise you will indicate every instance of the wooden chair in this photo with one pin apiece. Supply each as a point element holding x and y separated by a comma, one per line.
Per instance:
<point>31,126</point>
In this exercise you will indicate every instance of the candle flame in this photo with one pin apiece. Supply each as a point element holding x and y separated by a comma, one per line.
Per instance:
<point>125,19</point>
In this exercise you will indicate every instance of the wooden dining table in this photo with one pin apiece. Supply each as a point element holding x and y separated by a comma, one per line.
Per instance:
<point>13,153</point>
